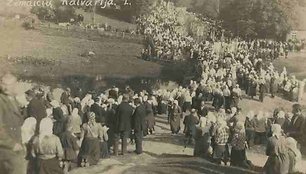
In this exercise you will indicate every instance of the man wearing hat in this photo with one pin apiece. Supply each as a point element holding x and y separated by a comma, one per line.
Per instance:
<point>297,123</point>
<point>138,124</point>
<point>123,117</point>
<point>98,110</point>
<point>190,122</point>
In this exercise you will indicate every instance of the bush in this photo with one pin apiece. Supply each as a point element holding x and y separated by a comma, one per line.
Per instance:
<point>27,25</point>
<point>58,13</point>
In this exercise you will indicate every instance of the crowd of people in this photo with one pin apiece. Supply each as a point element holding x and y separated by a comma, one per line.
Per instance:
<point>221,65</point>
<point>77,130</point>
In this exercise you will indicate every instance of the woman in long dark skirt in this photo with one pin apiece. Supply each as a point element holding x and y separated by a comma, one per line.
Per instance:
<point>91,134</point>
<point>175,114</point>
<point>59,118</point>
<point>47,149</point>
<point>238,154</point>
<point>277,152</point>
<point>70,146</point>
<point>150,119</point>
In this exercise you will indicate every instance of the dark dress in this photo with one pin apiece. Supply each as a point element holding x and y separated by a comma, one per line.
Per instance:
<point>278,160</point>
<point>90,148</point>
<point>149,119</point>
<point>60,121</point>
<point>175,114</point>
<point>70,146</point>
<point>190,122</point>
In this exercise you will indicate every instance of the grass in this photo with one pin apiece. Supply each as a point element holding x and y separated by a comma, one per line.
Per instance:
<point>115,57</point>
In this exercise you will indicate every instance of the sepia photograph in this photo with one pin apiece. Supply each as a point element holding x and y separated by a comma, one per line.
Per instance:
<point>152,87</point>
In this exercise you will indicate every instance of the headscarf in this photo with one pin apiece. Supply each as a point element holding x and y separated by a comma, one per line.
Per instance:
<point>292,144</point>
<point>91,118</point>
<point>239,128</point>
<point>45,128</point>
<point>49,112</point>
<point>276,130</point>
<point>28,129</point>
<point>281,114</point>
<point>75,112</point>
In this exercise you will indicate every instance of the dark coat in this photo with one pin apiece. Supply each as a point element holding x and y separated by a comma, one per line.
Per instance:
<point>60,120</point>
<point>97,109</point>
<point>138,118</point>
<point>123,116</point>
<point>296,127</point>
<point>37,109</point>
<point>190,123</point>
<point>10,122</point>
<point>65,98</point>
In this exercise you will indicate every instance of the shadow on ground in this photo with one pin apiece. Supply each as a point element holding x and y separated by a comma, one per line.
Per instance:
<point>184,164</point>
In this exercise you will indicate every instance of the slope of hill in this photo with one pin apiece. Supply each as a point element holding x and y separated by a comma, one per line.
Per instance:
<point>49,55</point>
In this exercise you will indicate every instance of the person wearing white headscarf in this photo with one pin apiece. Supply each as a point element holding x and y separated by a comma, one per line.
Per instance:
<point>47,149</point>
<point>92,134</point>
<point>221,136</point>
<point>75,121</point>
<point>294,154</point>
<point>238,143</point>
<point>277,152</point>
<point>260,128</point>
<point>175,115</point>
<point>28,129</point>
<point>27,135</point>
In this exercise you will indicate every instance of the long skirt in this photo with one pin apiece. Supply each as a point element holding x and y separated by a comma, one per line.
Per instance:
<point>175,125</point>
<point>201,144</point>
<point>49,166</point>
<point>221,153</point>
<point>90,150</point>
<point>104,150</point>
<point>238,157</point>
<point>150,121</point>
<point>162,108</point>
<point>277,164</point>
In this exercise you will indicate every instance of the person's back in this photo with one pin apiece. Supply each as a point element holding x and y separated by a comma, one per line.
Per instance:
<point>48,147</point>
<point>123,114</point>
<point>37,109</point>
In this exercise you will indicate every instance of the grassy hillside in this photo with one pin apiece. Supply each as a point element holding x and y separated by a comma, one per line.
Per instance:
<point>50,55</point>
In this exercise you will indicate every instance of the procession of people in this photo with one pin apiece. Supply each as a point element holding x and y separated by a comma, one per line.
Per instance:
<point>53,135</point>
<point>81,131</point>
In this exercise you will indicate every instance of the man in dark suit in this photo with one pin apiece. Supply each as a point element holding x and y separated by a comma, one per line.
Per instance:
<point>123,116</point>
<point>97,109</point>
<point>297,123</point>
<point>138,124</point>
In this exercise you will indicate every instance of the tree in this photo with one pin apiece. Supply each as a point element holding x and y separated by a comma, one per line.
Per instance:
<point>56,13</point>
<point>255,19</point>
